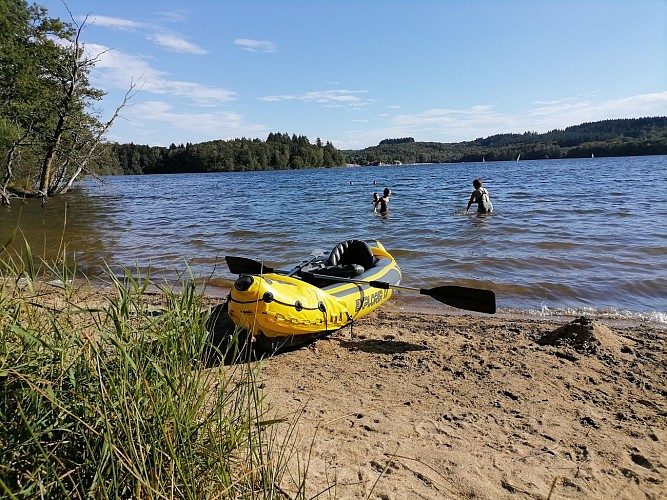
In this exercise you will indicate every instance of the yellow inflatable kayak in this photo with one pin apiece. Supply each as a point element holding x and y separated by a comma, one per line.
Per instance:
<point>318,296</point>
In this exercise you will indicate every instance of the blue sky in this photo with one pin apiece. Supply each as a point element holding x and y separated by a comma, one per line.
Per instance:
<point>355,72</point>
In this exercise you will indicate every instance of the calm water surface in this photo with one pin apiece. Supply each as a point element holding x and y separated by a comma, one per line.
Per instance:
<point>567,236</point>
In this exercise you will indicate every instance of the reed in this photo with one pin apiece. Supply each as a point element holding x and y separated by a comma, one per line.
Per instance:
<point>115,398</point>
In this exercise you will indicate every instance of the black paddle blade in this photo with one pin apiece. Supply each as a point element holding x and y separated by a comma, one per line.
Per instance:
<point>243,265</point>
<point>461,297</point>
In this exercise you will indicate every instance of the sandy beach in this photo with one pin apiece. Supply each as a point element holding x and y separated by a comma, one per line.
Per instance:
<point>432,403</point>
<point>415,405</point>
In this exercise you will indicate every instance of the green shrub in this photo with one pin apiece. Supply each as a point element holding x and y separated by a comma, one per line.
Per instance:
<point>113,398</point>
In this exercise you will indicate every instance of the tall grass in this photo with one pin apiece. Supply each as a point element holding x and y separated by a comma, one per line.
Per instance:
<point>114,398</point>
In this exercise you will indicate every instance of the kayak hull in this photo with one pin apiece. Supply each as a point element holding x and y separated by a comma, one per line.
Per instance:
<point>277,307</point>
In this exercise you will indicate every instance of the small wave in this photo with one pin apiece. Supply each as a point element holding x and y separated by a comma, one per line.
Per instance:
<point>241,233</point>
<point>555,245</point>
<point>218,282</point>
<point>653,317</point>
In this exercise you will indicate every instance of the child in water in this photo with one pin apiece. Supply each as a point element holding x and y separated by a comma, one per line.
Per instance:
<point>384,201</point>
<point>480,196</point>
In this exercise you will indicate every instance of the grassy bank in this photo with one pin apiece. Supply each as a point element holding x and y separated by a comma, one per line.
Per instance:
<point>109,396</point>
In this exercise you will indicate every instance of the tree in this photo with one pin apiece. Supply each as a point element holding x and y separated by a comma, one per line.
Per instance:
<point>49,129</point>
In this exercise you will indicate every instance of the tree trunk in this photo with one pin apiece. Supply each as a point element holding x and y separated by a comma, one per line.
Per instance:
<point>70,97</point>
<point>47,165</point>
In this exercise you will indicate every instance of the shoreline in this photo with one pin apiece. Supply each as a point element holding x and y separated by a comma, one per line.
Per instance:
<point>214,292</point>
<point>420,304</point>
<point>616,318</point>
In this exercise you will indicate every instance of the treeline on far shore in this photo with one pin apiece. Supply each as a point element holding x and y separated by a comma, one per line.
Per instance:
<point>280,151</point>
<point>622,137</point>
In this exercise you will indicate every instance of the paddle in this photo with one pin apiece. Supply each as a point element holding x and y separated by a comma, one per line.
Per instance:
<point>470,299</point>
<point>313,255</point>
<point>243,265</point>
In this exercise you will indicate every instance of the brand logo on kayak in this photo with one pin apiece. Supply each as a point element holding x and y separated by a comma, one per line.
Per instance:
<point>371,300</point>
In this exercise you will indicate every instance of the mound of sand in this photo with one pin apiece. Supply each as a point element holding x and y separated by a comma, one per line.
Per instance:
<point>584,335</point>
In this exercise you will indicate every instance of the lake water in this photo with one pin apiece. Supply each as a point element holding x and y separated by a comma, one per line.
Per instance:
<point>568,237</point>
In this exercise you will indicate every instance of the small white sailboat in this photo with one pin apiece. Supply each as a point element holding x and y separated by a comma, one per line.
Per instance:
<point>518,157</point>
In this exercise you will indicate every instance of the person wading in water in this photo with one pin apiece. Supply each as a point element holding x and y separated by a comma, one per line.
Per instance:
<point>480,196</point>
<point>384,201</point>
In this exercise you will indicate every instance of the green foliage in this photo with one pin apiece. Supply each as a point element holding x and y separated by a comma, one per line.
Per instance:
<point>278,152</point>
<point>627,137</point>
<point>404,140</point>
<point>113,399</point>
<point>47,130</point>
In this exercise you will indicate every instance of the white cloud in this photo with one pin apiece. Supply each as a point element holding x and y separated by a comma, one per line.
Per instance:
<point>117,69</point>
<point>172,16</point>
<point>255,45</point>
<point>215,125</point>
<point>159,36</point>
<point>113,23</point>
<point>327,97</point>
<point>568,112</point>
<point>175,43</point>
<point>201,94</point>
<point>439,117</point>
<point>278,98</point>
<point>476,110</point>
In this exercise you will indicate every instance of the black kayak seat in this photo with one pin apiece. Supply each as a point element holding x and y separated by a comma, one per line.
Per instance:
<point>341,270</point>
<point>352,252</point>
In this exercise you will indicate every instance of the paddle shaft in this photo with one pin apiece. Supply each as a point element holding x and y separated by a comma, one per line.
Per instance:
<point>244,265</point>
<point>298,267</point>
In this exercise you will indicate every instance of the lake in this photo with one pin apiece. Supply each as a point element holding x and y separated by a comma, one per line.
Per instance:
<point>567,237</point>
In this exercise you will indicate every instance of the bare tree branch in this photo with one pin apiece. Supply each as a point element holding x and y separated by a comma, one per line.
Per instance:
<point>131,92</point>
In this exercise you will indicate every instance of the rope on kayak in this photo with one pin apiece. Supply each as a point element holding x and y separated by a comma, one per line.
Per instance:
<point>298,306</point>
<point>268,297</point>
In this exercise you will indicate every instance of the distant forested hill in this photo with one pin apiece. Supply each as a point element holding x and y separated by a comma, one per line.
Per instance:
<point>626,137</point>
<point>278,152</point>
